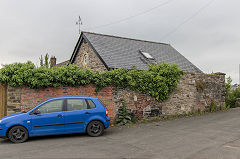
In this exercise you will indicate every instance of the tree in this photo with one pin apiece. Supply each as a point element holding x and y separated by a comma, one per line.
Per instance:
<point>228,85</point>
<point>46,61</point>
<point>41,61</point>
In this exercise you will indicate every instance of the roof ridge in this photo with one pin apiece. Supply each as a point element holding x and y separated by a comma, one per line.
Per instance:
<point>124,37</point>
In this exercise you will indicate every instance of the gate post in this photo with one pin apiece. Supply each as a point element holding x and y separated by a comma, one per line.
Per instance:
<point>3,100</point>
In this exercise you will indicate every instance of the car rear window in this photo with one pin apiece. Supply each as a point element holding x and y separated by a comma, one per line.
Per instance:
<point>91,104</point>
<point>102,102</point>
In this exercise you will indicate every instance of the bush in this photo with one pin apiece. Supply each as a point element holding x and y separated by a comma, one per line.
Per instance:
<point>231,98</point>
<point>159,81</point>
<point>231,95</point>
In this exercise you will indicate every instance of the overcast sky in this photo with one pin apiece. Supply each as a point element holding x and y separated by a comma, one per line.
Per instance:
<point>207,32</point>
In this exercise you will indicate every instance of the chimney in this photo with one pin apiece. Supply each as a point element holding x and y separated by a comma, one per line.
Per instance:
<point>53,61</point>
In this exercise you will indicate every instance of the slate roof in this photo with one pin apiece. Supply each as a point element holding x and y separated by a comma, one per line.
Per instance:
<point>62,63</point>
<point>120,52</point>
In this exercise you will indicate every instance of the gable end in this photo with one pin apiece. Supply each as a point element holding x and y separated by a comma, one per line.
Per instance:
<point>85,48</point>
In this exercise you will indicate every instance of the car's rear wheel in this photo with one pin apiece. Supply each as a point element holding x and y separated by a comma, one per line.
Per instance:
<point>95,128</point>
<point>18,134</point>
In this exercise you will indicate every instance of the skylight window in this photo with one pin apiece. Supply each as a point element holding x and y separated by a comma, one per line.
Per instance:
<point>147,55</point>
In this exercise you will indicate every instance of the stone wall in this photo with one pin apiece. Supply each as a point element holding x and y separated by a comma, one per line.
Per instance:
<point>237,102</point>
<point>195,92</point>
<point>13,100</point>
<point>93,62</point>
<point>141,105</point>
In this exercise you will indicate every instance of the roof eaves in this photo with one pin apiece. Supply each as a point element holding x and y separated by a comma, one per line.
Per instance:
<point>195,67</point>
<point>76,48</point>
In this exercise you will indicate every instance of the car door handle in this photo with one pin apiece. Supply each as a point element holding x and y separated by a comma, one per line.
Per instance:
<point>60,115</point>
<point>87,113</point>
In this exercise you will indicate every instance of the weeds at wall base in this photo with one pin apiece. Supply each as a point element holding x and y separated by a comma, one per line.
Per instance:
<point>176,116</point>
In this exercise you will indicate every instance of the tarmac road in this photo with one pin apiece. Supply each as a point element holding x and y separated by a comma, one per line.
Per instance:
<point>209,136</point>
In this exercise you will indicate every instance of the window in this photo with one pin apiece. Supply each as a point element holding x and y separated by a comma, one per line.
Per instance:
<point>85,59</point>
<point>91,104</point>
<point>76,104</point>
<point>147,55</point>
<point>52,106</point>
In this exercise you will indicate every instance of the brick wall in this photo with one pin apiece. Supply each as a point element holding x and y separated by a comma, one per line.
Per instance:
<point>31,97</point>
<point>93,62</point>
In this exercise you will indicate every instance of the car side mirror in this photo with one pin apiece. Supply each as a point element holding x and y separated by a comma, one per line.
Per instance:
<point>36,112</point>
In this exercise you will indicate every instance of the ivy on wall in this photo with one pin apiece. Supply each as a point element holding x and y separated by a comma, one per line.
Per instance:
<point>158,81</point>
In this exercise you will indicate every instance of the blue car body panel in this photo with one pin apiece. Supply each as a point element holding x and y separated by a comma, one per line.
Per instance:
<point>62,122</point>
<point>47,124</point>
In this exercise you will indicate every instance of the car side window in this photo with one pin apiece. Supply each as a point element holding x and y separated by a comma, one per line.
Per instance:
<point>51,107</point>
<point>91,104</point>
<point>76,104</point>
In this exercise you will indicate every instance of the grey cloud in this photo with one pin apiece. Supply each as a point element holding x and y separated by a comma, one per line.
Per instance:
<point>210,40</point>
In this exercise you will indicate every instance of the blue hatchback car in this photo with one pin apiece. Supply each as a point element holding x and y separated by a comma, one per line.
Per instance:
<point>60,115</point>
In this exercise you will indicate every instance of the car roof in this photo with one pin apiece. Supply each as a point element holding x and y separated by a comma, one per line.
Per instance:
<point>73,97</point>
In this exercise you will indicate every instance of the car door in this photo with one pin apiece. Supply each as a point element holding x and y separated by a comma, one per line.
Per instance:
<point>49,118</point>
<point>77,114</point>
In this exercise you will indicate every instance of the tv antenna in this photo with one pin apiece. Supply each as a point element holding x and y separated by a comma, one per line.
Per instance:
<point>79,23</point>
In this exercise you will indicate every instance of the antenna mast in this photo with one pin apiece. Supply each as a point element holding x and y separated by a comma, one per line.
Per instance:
<point>79,23</point>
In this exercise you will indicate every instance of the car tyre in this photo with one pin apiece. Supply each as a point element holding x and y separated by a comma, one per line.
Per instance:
<point>18,134</point>
<point>95,128</point>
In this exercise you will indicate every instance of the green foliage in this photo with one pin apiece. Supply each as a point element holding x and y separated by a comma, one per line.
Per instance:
<point>46,60</point>
<point>17,74</point>
<point>213,106</point>
<point>212,73</point>
<point>41,61</point>
<point>231,95</point>
<point>159,81</point>
<point>225,107</point>
<point>123,115</point>
<point>228,86</point>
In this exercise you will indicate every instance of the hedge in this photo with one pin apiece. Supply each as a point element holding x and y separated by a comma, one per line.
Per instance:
<point>158,81</point>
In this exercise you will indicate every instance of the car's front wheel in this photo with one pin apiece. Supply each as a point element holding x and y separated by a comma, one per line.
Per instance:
<point>95,128</point>
<point>18,134</point>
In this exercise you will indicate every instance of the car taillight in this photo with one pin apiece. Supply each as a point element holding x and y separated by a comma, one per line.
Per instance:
<point>106,112</point>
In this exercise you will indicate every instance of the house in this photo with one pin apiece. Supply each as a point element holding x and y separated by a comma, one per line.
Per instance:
<point>104,52</point>
<point>235,86</point>
<point>62,63</point>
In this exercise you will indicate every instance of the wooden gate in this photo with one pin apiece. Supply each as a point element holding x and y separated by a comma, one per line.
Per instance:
<point>3,100</point>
